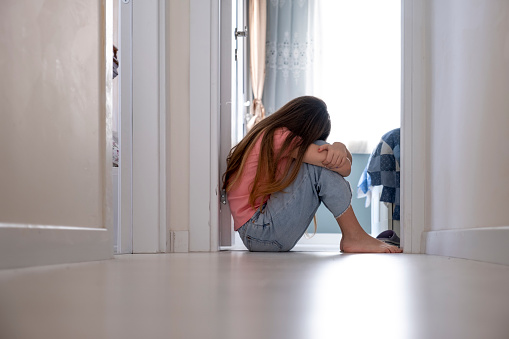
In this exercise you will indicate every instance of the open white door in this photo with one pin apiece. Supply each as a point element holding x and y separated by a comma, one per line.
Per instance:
<point>227,106</point>
<point>55,132</point>
<point>234,90</point>
<point>124,234</point>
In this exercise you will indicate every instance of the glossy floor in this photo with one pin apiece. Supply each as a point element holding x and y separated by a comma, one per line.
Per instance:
<point>258,295</point>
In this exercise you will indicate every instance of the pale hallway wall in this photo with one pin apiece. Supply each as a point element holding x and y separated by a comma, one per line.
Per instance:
<point>178,15</point>
<point>55,132</point>
<point>50,105</point>
<point>467,185</point>
<point>469,114</point>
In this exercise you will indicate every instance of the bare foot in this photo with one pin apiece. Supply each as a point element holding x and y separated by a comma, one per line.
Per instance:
<point>356,240</point>
<point>366,244</point>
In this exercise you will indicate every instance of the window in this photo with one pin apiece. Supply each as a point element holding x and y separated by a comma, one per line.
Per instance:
<point>357,61</point>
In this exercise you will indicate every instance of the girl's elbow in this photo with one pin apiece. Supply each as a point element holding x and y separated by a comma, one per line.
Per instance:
<point>348,169</point>
<point>347,172</point>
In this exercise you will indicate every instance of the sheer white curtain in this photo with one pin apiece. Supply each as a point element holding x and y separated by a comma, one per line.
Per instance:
<point>257,36</point>
<point>289,51</point>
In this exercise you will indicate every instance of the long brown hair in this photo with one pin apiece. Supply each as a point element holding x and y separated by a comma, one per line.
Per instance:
<point>307,120</point>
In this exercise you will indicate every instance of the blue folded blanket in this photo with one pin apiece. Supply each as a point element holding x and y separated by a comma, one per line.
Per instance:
<point>383,169</point>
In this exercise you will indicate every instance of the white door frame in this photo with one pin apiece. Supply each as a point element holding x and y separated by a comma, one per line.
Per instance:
<point>142,208</point>
<point>146,143</point>
<point>227,105</point>
<point>204,126</point>
<point>414,156</point>
<point>125,217</point>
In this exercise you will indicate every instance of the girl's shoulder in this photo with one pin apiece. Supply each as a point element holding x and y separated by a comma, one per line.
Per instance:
<point>281,132</point>
<point>280,136</point>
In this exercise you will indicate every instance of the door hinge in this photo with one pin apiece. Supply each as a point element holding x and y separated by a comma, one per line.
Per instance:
<point>223,197</point>
<point>241,34</point>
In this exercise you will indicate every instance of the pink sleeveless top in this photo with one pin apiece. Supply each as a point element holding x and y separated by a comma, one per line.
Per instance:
<point>238,196</point>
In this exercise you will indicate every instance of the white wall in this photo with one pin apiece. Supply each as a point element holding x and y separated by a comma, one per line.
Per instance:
<point>193,100</point>
<point>469,114</point>
<point>55,132</point>
<point>50,105</point>
<point>178,14</point>
<point>468,172</point>
<point>146,119</point>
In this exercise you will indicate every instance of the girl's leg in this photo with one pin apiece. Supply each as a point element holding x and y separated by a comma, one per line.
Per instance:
<point>355,240</point>
<point>287,214</point>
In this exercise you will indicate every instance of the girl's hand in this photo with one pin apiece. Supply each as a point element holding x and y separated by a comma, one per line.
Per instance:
<point>337,155</point>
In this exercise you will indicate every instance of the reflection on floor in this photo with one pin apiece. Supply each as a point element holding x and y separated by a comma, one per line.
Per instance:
<point>237,294</point>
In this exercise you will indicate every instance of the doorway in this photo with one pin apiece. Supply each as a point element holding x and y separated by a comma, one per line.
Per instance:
<point>361,60</point>
<point>357,72</point>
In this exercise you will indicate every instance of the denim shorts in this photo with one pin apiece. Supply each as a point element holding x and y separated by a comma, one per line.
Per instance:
<point>286,215</point>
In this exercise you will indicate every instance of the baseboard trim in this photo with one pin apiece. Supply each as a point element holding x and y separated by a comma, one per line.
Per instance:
<point>179,241</point>
<point>481,244</point>
<point>36,245</point>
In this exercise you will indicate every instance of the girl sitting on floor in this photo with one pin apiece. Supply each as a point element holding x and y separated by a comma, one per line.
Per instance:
<point>281,171</point>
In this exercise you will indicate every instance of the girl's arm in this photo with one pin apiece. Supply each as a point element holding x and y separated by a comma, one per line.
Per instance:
<point>335,153</point>
<point>335,157</point>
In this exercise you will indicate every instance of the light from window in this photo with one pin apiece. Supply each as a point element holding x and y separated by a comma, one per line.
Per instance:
<point>358,68</point>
